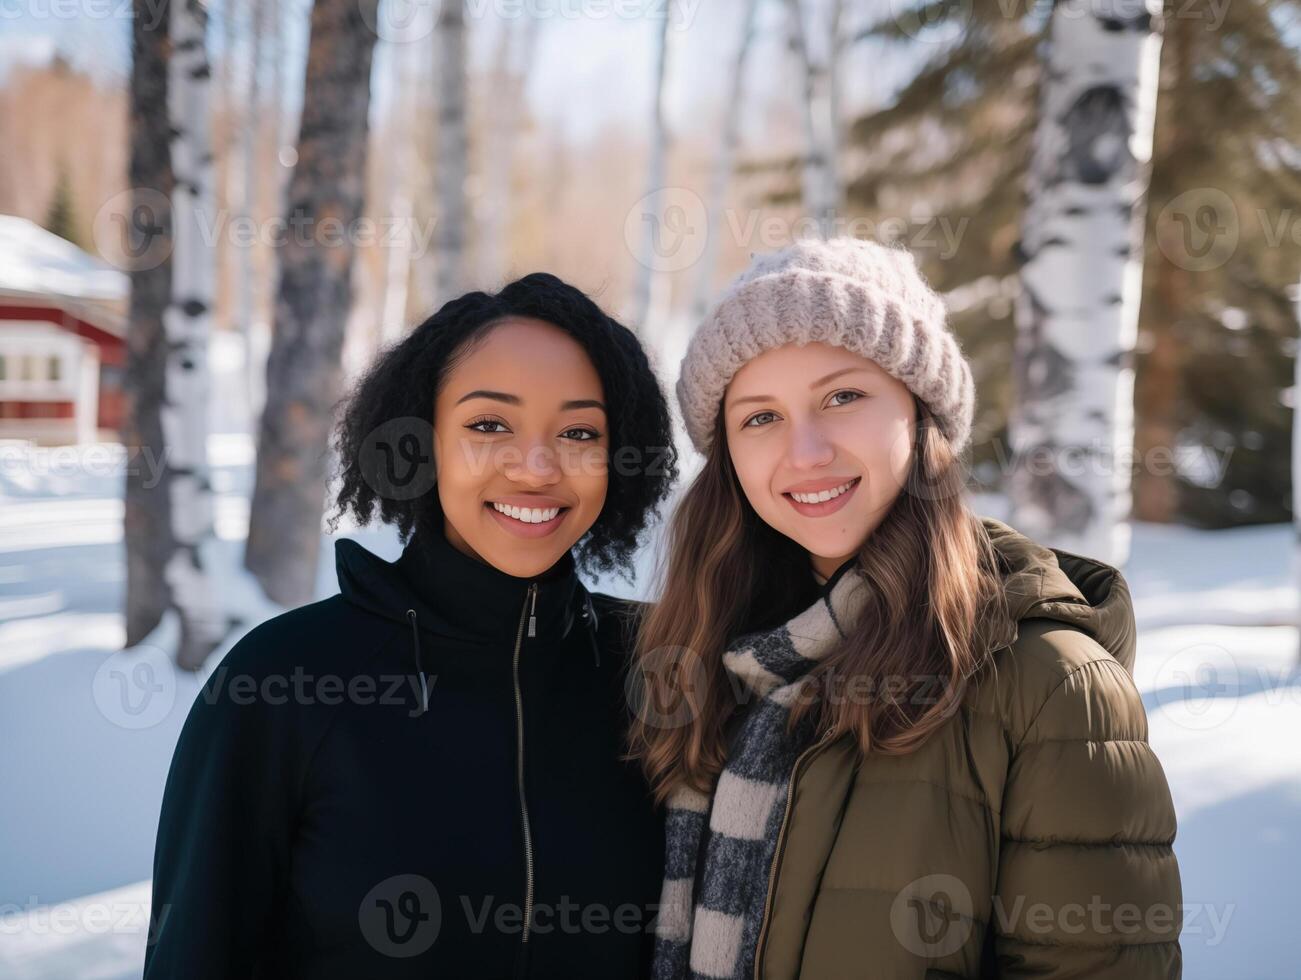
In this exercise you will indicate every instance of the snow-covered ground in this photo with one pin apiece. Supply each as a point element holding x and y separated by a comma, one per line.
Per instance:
<point>85,755</point>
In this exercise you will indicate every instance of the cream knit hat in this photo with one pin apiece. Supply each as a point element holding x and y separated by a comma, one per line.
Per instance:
<point>868,298</point>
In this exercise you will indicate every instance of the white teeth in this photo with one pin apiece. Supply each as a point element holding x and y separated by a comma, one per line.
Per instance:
<point>822,495</point>
<point>529,515</point>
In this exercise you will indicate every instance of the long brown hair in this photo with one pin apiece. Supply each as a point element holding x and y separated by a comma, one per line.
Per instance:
<point>932,575</point>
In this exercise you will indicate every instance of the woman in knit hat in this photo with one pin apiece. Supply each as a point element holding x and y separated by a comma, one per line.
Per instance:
<point>895,739</point>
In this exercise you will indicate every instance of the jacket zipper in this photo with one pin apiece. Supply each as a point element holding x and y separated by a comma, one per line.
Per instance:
<point>800,760</point>
<point>519,754</point>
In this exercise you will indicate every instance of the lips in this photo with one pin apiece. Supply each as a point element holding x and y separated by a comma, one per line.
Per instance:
<point>526,522</point>
<point>813,501</point>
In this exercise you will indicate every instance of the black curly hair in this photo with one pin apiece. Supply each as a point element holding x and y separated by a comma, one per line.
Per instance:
<point>403,381</point>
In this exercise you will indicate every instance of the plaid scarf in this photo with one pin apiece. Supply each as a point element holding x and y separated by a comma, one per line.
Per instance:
<point>711,908</point>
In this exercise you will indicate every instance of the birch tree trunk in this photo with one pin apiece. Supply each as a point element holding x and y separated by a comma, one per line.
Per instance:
<point>1072,423</point>
<point>839,41</point>
<point>511,74</point>
<point>724,159</point>
<point>652,210</point>
<point>248,280</point>
<point>819,179</point>
<point>397,271</point>
<point>304,371</point>
<point>450,233</point>
<point>147,524</point>
<point>187,323</point>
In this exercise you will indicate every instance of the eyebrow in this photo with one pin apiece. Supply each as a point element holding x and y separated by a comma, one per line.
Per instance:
<point>510,399</point>
<point>817,384</point>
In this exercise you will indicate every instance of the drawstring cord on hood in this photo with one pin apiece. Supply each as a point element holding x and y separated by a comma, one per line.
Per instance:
<point>420,666</point>
<point>588,615</point>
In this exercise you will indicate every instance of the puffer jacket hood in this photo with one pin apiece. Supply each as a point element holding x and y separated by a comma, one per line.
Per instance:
<point>1046,583</point>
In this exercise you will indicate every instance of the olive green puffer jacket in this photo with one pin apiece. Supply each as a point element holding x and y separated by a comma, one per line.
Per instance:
<point>1029,837</point>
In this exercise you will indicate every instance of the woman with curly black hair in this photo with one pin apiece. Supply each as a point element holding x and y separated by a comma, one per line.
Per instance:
<point>422,776</point>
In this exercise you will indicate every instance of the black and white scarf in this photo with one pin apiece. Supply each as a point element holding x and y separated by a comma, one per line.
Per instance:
<point>713,933</point>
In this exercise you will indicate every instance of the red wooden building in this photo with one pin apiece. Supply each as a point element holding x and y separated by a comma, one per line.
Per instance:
<point>62,338</point>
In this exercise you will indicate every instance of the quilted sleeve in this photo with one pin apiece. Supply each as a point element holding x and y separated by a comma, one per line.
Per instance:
<point>1088,884</point>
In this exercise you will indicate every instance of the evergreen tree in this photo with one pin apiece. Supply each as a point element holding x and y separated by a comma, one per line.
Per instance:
<point>61,216</point>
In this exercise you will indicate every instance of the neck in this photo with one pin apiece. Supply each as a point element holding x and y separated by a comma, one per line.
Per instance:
<point>455,539</point>
<point>824,567</point>
<point>476,597</point>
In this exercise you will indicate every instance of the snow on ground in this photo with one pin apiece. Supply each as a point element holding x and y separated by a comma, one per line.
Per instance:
<point>85,759</point>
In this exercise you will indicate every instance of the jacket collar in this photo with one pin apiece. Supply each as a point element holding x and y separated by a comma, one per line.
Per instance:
<point>456,595</point>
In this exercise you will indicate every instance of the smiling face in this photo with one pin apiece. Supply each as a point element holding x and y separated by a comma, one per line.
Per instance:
<point>521,443</point>
<point>821,440</point>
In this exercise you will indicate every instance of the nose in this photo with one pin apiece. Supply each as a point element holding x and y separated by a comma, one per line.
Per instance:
<point>809,447</point>
<point>535,467</point>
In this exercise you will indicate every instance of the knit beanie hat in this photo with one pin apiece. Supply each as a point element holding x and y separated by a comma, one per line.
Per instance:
<point>866,297</point>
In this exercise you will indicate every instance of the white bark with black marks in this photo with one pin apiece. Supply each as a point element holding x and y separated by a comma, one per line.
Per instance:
<point>729,137</point>
<point>1072,420</point>
<point>819,172</point>
<point>648,273</point>
<point>514,62</point>
<point>451,231</point>
<point>187,323</point>
<point>401,207</point>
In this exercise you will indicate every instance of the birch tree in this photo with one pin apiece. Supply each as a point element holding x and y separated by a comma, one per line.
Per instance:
<point>724,159</point>
<point>304,371</point>
<point>820,181</point>
<point>451,231</point>
<point>397,271</point>
<point>1076,317</point>
<point>514,62</point>
<point>168,522</point>
<point>248,171</point>
<point>187,323</point>
<point>651,214</point>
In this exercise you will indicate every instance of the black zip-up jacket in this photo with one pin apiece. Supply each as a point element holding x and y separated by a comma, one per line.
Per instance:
<point>349,798</point>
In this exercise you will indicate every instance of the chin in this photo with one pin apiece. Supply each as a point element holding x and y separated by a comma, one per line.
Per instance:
<point>833,545</point>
